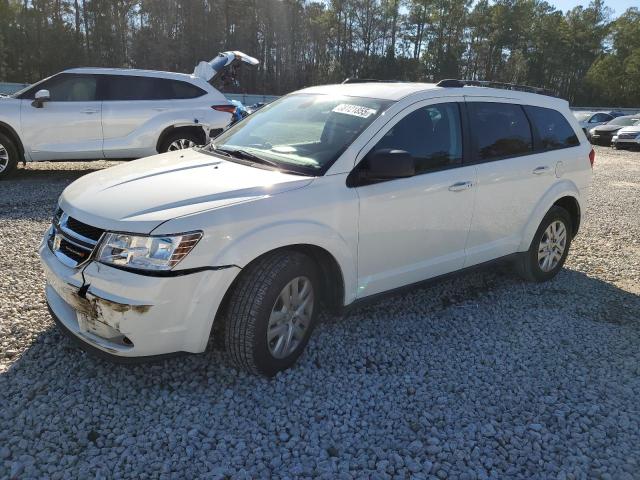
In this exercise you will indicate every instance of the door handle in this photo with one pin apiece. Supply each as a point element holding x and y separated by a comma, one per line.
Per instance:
<point>160,109</point>
<point>89,111</point>
<point>460,186</point>
<point>541,170</point>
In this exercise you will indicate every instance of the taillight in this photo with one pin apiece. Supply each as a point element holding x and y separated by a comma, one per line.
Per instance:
<point>592,157</point>
<point>225,108</point>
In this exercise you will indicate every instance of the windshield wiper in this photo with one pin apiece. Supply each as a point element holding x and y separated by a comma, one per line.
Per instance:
<point>243,154</point>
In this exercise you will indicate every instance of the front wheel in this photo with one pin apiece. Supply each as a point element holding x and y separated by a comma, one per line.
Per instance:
<point>271,312</point>
<point>8,156</point>
<point>549,247</point>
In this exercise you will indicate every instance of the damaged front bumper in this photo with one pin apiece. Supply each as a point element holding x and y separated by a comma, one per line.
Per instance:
<point>130,315</point>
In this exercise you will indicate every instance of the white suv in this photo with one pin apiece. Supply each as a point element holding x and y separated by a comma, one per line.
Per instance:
<point>330,195</point>
<point>95,113</point>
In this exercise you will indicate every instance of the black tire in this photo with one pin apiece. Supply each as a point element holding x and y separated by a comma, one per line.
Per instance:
<point>9,162</point>
<point>185,135</point>
<point>527,264</point>
<point>249,306</point>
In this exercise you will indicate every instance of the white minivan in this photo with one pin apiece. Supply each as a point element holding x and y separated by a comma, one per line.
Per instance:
<point>329,196</point>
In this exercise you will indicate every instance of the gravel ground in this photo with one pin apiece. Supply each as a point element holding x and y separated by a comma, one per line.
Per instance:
<point>482,376</point>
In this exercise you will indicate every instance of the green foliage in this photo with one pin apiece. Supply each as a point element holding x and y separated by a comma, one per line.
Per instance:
<point>616,73</point>
<point>582,54</point>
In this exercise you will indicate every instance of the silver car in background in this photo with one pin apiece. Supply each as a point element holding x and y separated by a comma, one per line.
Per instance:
<point>96,113</point>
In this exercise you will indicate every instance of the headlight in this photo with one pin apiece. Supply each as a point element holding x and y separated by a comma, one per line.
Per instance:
<point>148,252</point>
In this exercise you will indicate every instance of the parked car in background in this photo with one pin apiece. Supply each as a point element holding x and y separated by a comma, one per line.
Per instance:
<point>95,113</point>
<point>328,196</point>
<point>603,134</point>
<point>588,120</point>
<point>627,137</point>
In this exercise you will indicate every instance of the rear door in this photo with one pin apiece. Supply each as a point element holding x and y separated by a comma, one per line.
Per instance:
<point>69,125</point>
<point>132,108</point>
<point>411,229</point>
<point>514,171</point>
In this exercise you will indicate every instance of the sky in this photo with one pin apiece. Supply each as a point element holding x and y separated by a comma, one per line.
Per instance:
<point>618,6</point>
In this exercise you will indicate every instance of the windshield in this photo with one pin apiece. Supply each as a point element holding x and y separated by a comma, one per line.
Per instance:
<point>624,121</point>
<point>303,132</point>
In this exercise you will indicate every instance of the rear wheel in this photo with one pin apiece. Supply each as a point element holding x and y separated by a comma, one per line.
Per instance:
<point>8,156</point>
<point>271,312</point>
<point>549,247</point>
<point>180,140</point>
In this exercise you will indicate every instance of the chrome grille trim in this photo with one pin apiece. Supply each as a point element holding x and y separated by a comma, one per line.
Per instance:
<point>60,233</point>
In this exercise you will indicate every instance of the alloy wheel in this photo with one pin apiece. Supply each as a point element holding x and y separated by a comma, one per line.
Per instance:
<point>290,317</point>
<point>4,158</point>
<point>552,246</point>
<point>181,144</point>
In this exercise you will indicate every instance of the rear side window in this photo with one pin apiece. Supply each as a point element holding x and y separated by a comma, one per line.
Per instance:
<point>432,135</point>
<point>184,90</point>
<point>129,87</point>
<point>552,128</point>
<point>500,130</point>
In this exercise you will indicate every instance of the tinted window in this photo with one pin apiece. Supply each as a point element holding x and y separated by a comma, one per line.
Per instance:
<point>553,129</point>
<point>432,135</point>
<point>181,90</point>
<point>128,87</point>
<point>134,88</point>
<point>500,130</point>
<point>67,87</point>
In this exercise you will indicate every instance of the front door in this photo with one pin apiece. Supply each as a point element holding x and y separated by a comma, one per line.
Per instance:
<point>69,125</point>
<point>415,228</point>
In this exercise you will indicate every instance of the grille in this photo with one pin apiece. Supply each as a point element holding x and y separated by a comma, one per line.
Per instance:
<point>628,136</point>
<point>83,229</point>
<point>72,241</point>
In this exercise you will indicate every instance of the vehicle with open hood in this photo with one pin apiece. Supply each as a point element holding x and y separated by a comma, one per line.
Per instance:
<point>328,196</point>
<point>112,113</point>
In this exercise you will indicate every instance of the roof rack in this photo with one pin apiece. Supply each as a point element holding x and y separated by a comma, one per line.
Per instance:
<point>367,80</point>
<point>451,83</point>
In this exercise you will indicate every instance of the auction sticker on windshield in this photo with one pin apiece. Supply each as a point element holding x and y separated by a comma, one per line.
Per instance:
<point>355,110</point>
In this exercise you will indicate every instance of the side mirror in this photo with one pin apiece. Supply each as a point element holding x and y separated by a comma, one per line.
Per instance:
<point>380,165</point>
<point>41,97</point>
<point>388,163</point>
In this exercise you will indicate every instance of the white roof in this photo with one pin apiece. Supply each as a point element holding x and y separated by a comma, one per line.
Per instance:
<point>382,90</point>
<point>398,90</point>
<point>130,71</point>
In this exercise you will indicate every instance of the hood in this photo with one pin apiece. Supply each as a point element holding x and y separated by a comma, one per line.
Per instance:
<point>631,129</point>
<point>140,195</point>
<point>208,71</point>
<point>607,128</point>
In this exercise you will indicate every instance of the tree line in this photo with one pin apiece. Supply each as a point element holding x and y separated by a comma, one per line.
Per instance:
<point>583,54</point>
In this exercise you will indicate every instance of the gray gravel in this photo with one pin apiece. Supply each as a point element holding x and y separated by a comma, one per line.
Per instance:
<point>482,376</point>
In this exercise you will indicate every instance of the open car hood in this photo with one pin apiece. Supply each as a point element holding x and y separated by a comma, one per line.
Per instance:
<point>208,71</point>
